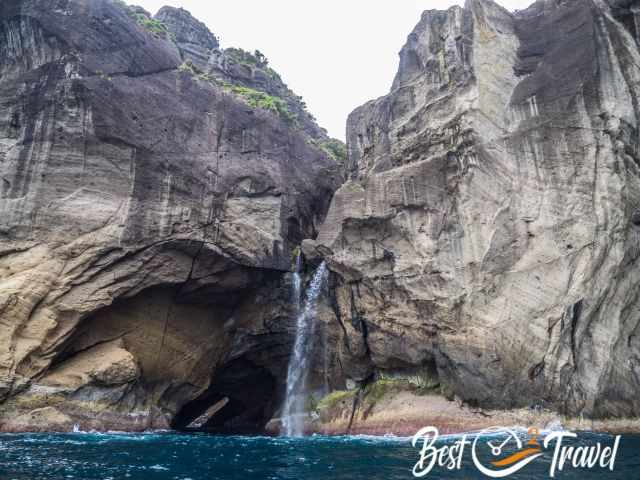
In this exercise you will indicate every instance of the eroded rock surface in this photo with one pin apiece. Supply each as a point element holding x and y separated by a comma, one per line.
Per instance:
<point>490,223</point>
<point>147,221</point>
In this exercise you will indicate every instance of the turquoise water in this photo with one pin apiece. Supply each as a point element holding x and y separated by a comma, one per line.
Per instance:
<point>199,456</point>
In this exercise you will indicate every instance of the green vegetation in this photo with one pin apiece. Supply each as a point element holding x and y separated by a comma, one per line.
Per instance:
<point>256,59</point>
<point>336,397</point>
<point>422,383</point>
<point>253,60</point>
<point>193,70</point>
<point>278,104</point>
<point>151,25</point>
<point>375,391</point>
<point>336,149</point>
<point>252,97</point>
<point>258,99</point>
<point>189,67</point>
<point>333,147</point>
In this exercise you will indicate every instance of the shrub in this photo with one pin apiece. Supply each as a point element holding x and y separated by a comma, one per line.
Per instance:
<point>151,25</point>
<point>255,59</point>
<point>378,389</point>
<point>189,67</point>
<point>259,99</point>
<point>421,382</point>
<point>333,147</point>
<point>252,97</point>
<point>336,149</point>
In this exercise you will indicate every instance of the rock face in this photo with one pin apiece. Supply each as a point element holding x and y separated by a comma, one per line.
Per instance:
<point>490,224</point>
<point>154,188</point>
<point>192,37</point>
<point>233,66</point>
<point>147,221</point>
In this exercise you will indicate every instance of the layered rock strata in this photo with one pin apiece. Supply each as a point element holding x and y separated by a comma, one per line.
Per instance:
<point>490,224</point>
<point>148,217</point>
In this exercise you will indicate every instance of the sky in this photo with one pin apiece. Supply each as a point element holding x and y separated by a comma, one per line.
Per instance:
<point>337,54</point>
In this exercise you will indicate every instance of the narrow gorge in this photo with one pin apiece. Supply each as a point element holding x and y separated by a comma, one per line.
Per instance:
<point>165,202</point>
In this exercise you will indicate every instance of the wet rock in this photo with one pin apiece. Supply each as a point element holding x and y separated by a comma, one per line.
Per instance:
<point>46,419</point>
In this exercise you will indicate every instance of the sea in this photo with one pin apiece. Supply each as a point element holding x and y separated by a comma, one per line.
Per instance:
<point>199,456</point>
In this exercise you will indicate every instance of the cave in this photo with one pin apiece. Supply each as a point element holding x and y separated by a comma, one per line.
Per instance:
<point>194,344</point>
<point>250,398</point>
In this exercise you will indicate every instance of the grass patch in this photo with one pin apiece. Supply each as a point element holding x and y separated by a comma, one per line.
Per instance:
<point>252,60</point>
<point>375,391</point>
<point>189,67</point>
<point>336,397</point>
<point>258,99</point>
<point>338,404</point>
<point>416,384</point>
<point>155,27</point>
<point>421,382</point>
<point>252,97</point>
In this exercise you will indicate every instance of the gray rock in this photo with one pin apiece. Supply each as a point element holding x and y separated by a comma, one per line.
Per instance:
<point>488,227</point>
<point>193,38</point>
<point>143,203</point>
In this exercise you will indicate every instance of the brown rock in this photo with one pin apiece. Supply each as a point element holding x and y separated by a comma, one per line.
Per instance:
<point>143,201</point>
<point>47,419</point>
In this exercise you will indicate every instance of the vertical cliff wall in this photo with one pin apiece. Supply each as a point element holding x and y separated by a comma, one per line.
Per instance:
<point>148,214</point>
<point>491,221</point>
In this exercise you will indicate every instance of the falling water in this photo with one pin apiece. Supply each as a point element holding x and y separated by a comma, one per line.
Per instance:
<point>296,283</point>
<point>293,410</point>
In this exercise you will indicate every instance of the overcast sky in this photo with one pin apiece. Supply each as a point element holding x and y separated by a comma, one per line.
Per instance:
<point>337,54</point>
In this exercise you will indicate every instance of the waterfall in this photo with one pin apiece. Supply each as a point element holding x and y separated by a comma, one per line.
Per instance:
<point>296,283</point>
<point>295,398</point>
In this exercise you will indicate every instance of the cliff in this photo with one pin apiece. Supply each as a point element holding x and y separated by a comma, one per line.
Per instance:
<point>148,216</point>
<point>155,188</point>
<point>488,233</point>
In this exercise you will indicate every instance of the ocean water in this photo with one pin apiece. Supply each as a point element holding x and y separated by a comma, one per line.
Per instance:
<point>88,456</point>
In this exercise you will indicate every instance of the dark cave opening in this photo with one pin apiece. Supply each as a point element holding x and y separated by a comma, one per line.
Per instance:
<point>244,397</point>
<point>181,337</point>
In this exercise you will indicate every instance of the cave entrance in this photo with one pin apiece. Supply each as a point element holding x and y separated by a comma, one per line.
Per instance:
<point>241,399</point>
